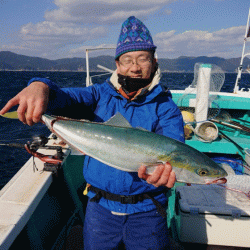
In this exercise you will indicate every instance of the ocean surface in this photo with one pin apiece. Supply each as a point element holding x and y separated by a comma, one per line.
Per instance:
<point>11,82</point>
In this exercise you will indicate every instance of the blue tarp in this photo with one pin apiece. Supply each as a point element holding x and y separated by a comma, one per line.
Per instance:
<point>235,163</point>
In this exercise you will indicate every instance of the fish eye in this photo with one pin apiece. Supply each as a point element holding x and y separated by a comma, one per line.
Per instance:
<point>202,172</point>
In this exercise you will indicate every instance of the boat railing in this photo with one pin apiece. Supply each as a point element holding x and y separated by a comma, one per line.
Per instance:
<point>88,77</point>
<point>109,71</point>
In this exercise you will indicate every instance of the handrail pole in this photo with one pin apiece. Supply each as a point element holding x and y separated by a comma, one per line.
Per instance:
<point>236,87</point>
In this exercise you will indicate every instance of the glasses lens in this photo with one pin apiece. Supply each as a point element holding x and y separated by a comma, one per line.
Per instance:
<point>141,61</point>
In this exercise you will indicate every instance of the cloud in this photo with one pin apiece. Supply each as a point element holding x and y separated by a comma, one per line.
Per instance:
<point>61,32</point>
<point>100,12</point>
<point>78,22</point>
<point>74,24</point>
<point>222,43</point>
<point>51,39</point>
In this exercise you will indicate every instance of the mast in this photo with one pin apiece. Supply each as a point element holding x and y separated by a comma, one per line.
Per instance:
<point>247,34</point>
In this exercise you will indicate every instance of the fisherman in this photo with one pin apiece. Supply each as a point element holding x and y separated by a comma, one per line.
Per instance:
<point>123,207</point>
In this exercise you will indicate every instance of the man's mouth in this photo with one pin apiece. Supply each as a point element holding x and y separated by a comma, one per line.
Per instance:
<point>136,76</point>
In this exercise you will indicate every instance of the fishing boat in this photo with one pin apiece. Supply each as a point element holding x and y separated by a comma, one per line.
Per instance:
<point>42,206</point>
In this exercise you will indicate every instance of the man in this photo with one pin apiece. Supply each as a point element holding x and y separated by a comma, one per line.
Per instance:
<point>123,207</point>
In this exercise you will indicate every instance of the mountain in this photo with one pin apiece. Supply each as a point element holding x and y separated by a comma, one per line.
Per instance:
<point>186,64</point>
<point>12,61</point>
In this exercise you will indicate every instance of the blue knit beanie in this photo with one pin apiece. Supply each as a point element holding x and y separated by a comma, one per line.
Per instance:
<point>134,36</point>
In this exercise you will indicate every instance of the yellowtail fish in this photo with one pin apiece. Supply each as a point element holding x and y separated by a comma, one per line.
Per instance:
<point>119,145</point>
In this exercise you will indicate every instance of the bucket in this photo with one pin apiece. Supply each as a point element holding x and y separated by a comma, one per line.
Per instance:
<point>207,131</point>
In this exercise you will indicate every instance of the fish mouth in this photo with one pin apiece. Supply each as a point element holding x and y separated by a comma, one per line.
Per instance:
<point>205,181</point>
<point>222,180</point>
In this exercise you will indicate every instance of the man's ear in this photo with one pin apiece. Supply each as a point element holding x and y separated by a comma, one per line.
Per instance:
<point>117,66</point>
<point>155,65</point>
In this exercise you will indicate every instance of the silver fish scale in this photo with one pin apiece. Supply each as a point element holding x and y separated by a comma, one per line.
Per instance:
<point>128,148</point>
<point>124,148</point>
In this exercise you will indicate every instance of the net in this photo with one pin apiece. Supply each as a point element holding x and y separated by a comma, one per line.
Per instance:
<point>217,77</point>
<point>200,98</point>
<point>187,101</point>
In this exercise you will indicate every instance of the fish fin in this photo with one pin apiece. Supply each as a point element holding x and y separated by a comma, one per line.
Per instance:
<point>151,166</point>
<point>118,120</point>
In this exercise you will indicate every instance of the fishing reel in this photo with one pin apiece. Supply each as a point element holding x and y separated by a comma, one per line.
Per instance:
<point>51,163</point>
<point>39,142</point>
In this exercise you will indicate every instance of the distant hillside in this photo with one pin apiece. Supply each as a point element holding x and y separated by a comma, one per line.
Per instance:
<point>12,61</point>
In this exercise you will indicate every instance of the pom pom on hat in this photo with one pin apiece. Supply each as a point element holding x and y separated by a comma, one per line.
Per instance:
<point>134,36</point>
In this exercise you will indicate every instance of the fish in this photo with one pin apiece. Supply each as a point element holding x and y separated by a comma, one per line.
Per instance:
<point>117,144</point>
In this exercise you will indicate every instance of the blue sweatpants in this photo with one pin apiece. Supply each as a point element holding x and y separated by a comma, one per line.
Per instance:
<point>104,230</point>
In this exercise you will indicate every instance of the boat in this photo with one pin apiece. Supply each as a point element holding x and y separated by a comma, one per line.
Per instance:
<point>42,206</point>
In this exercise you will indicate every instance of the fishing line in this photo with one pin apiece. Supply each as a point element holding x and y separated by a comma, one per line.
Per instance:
<point>238,163</point>
<point>238,146</point>
<point>34,165</point>
<point>236,190</point>
<point>242,120</point>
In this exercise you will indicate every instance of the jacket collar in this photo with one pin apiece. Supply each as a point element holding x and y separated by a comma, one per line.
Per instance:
<point>134,95</point>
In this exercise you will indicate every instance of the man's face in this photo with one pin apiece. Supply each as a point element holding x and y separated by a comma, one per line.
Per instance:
<point>136,64</point>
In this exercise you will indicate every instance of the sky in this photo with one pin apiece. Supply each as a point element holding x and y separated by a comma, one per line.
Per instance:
<point>57,29</point>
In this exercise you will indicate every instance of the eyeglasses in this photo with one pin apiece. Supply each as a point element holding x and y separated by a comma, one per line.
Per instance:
<point>128,62</point>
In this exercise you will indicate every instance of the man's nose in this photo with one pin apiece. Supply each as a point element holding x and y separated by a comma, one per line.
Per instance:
<point>135,66</point>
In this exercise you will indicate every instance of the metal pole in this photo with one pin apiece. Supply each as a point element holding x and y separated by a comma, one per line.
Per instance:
<point>236,87</point>
<point>88,83</point>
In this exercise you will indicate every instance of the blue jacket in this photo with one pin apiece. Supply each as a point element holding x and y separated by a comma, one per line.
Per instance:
<point>154,111</point>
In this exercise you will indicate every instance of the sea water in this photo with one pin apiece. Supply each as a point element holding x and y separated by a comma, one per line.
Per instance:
<point>11,82</point>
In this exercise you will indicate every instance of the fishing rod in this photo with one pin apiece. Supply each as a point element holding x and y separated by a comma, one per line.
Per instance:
<point>239,125</point>
<point>13,145</point>
<point>226,117</point>
<point>242,128</point>
<point>39,142</point>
